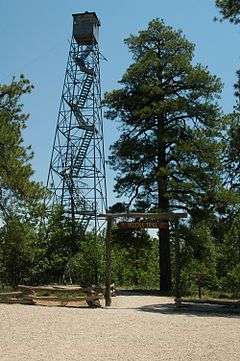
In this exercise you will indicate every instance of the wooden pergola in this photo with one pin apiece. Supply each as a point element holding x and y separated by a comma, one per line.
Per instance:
<point>144,221</point>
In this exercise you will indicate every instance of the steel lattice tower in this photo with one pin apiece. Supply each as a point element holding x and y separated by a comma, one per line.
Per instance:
<point>76,175</point>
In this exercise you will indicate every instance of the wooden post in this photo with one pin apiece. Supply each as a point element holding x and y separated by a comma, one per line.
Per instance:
<point>177,273</point>
<point>108,262</point>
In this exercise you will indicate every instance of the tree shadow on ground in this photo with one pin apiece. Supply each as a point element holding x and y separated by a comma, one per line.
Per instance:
<point>201,310</point>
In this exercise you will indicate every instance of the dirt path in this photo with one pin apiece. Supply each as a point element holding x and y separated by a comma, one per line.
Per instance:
<point>134,328</point>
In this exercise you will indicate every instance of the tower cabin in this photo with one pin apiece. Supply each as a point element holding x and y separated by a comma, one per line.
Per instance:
<point>86,28</point>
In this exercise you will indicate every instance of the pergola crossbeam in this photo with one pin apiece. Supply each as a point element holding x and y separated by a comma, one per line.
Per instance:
<point>165,216</point>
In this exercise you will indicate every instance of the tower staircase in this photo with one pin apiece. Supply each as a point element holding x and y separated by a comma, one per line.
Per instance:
<point>76,108</point>
<point>86,209</point>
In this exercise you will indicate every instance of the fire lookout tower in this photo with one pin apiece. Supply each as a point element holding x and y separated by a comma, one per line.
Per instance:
<point>76,175</point>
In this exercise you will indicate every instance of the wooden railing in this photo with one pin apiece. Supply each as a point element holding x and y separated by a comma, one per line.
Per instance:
<point>60,294</point>
<point>211,301</point>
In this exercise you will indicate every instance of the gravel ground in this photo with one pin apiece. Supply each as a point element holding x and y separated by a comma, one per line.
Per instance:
<point>134,328</point>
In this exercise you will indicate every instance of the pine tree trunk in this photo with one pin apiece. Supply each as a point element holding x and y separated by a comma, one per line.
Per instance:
<point>163,205</point>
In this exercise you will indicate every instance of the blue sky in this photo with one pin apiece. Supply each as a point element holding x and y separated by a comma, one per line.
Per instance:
<point>35,41</point>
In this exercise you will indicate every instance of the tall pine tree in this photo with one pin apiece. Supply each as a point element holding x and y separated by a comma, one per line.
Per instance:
<point>167,156</point>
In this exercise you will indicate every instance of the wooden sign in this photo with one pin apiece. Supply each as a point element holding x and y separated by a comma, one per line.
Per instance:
<point>143,225</point>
